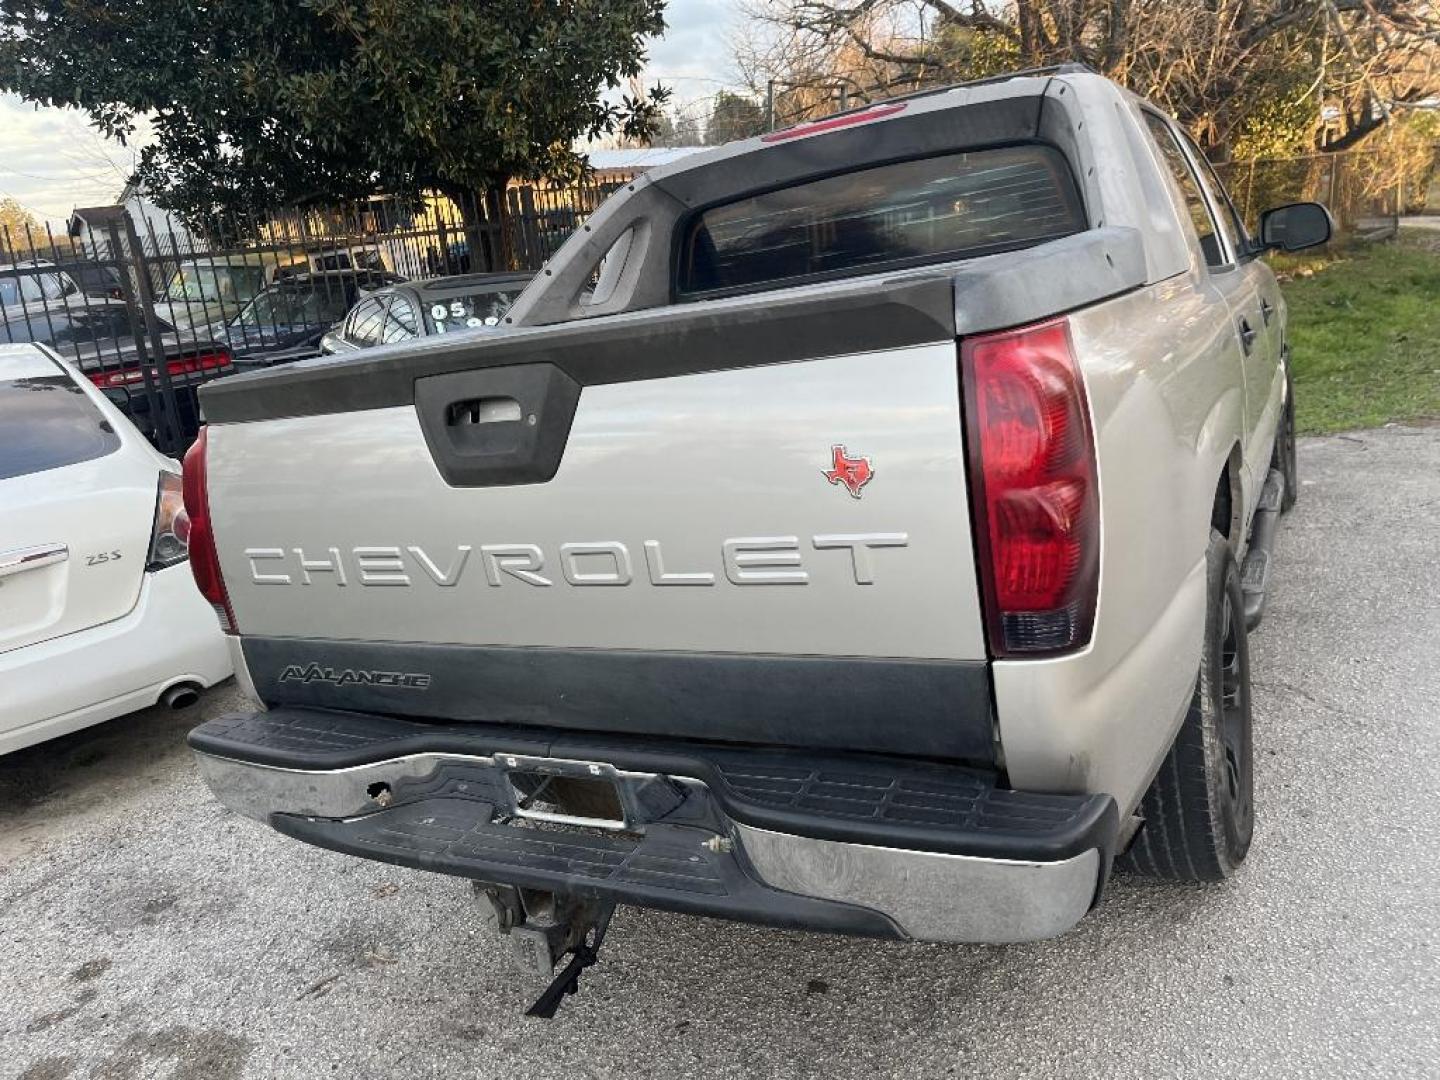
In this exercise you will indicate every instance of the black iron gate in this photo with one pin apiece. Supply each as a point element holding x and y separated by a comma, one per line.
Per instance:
<point>94,305</point>
<point>149,309</point>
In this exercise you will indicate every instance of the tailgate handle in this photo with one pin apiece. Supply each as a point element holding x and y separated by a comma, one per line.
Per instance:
<point>491,427</point>
<point>486,410</point>
<point>31,558</point>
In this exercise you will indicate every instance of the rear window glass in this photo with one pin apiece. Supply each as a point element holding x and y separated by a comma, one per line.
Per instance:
<point>210,284</point>
<point>46,422</point>
<point>297,305</point>
<point>93,276</point>
<point>906,213</point>
<point>472,311</point>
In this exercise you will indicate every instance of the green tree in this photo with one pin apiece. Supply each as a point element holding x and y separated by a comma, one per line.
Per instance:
<point>263,104</point>
<point>687,132</point>
<point>664,131</point>
<point>677,130</point>
<point>733,117</point>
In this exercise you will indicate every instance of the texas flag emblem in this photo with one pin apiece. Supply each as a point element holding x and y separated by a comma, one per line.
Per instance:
<point>853,472</point>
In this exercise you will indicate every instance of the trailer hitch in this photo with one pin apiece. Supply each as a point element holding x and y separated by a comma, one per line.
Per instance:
<point>568,981</point>
<point>543,928</point>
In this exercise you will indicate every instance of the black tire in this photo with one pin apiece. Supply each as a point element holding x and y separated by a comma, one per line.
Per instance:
<point>1284,456</point>
<point>1199,813</point>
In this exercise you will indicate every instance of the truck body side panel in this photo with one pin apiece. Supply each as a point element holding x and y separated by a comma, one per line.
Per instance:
<point>1163,375</point>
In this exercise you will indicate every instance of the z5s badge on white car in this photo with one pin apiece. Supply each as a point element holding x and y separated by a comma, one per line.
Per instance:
<point>99,616</point>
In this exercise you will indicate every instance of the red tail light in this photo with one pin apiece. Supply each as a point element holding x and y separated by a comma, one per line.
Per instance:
<point>1034,488</point>
<point>208,361</point>
<point>204,559</point>
<point>184,365</point>
<point>123,377</point>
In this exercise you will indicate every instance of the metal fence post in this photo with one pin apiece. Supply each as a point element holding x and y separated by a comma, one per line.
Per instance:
<point>1334,201</point>
<point>162,418</point>
<point>531,227</point>
<point>173,440</point>
<point>443,237</point>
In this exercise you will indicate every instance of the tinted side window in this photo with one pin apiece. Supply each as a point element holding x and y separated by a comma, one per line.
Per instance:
<point>48,422</point>
<point>1179,167</point>
<point>906,213</point>
<point>365,322</point>
<point>1231,223</point>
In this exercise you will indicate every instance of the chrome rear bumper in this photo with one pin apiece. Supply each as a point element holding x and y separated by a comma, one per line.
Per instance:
<point>444,811</point>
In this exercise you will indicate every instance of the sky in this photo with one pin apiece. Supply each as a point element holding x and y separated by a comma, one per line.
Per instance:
<point>52,161</point>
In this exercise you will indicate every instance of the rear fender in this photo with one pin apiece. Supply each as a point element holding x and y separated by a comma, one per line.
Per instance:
<point>1166,405</point>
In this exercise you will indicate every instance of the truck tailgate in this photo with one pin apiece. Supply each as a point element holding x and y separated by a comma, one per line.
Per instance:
<point>693,566</point>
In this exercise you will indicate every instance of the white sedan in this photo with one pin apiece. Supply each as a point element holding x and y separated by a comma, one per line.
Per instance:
<point>99,614</point>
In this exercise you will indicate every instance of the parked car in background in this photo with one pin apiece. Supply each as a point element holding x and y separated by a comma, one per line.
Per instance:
<point>99,615</point>
<point>421,308</point>
<point>202,292</point>
<point>287,320</point>
<point>33,280</point>
<point>97,336</point>
<point>213,289</point>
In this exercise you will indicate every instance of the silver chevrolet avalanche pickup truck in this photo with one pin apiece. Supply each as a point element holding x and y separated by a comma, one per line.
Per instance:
<point>856,528</point>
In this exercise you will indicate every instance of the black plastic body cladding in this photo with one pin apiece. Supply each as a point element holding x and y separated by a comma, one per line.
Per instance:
<point>920,708</point>
<point>682,340</point>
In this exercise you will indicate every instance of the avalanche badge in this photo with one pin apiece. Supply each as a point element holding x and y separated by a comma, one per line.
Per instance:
<point>853,472</point>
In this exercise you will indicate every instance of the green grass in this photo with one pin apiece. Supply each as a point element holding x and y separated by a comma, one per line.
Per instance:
<point>1365,334</point>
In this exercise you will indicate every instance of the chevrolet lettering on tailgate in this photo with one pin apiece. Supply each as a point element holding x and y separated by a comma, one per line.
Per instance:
<point>746,560</point>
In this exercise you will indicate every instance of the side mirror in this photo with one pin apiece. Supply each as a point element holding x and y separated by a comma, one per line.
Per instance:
<point>1295,227</point>
<point>119,397</point>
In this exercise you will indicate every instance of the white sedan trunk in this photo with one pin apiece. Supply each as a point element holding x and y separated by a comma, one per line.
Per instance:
<point>76,507</point>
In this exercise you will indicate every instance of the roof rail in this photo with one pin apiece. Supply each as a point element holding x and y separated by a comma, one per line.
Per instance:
<point>1070,67</point>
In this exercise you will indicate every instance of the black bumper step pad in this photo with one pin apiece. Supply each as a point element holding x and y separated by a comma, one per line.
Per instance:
<point>668,867</point>
<point>857,798</point>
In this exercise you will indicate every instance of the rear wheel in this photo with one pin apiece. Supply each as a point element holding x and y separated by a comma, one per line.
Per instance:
<point>1284,455</point>
<point>1199,813</point>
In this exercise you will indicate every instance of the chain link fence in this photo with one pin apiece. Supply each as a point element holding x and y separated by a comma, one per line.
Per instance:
<point>1366,192</point>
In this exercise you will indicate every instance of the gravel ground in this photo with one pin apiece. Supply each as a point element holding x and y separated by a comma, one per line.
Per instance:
<point>146,932</point>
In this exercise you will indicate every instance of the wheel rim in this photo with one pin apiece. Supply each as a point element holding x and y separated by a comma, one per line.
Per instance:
<point>1234,719</point>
